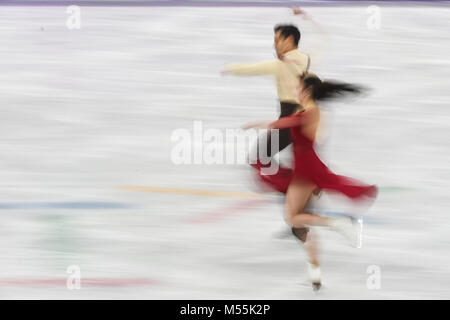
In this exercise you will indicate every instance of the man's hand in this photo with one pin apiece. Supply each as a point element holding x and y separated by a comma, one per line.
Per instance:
<point>298,11</point>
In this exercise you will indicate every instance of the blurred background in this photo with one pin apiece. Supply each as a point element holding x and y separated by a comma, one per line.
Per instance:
<point>87,179</point>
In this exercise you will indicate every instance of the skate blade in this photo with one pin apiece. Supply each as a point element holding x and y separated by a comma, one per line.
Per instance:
<point>315,286</point>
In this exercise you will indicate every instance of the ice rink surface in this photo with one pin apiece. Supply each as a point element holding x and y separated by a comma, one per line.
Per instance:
<point>87,112</point>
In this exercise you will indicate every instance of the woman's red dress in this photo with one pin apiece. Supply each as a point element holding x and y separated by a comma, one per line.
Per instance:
<point>308,166</point>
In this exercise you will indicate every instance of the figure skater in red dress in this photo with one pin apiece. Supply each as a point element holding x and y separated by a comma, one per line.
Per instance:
<point>309,174</point>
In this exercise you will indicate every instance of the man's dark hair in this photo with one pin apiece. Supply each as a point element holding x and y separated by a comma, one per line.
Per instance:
<point>289,30</point>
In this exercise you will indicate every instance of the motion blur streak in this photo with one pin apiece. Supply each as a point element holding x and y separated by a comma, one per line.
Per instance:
<point>87,109</point>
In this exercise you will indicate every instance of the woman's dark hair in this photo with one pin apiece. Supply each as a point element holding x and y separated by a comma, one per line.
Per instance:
<point>322,90</point>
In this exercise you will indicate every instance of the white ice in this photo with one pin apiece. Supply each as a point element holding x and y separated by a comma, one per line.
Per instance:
<point>84,112</point>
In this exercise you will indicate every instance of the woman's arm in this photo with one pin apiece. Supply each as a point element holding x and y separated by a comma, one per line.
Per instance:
<point>257,124</point>
<point>295,120</point>
<point>298,119</point>
<point>287,122</point>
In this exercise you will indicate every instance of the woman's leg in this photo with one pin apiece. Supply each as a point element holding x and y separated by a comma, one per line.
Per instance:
<point>297,197</point>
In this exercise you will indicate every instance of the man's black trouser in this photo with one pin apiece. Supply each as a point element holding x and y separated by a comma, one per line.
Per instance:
<point>287,109</point>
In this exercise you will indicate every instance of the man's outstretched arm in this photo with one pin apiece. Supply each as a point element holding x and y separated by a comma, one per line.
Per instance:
<point>252,69</point>
<point>319,49</point>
